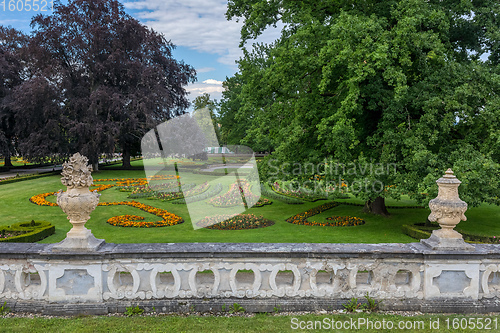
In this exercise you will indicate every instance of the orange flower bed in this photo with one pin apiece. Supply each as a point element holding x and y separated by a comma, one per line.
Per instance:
<point>334,221</point>
<point>39,199</point>
<point>101,187</point>
<point>168,219</point>
<point>157,177</point>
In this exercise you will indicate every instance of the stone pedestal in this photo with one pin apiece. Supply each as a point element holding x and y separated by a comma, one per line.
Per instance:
<point>437,242</point>
<point>448,210</point>
<point>82,242</point>
<point>78,202</point>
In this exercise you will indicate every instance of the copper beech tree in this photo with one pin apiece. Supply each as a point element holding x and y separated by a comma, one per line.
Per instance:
<point>99,81</point>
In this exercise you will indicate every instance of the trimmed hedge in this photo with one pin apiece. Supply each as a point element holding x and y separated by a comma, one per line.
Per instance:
<point>28,177</point>
<point>389,207</point>
<point>115,164</point>
<point>414,232</point>
<point>219,173</point>
<point>423,231</point>
<point>33,231</point>
<point>266,192</point>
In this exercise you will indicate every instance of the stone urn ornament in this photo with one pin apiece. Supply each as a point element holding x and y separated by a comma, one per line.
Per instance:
<point>448,210</point>
<point>78,202</point>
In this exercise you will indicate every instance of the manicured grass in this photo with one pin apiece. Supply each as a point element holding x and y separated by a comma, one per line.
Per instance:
<point>258,323</point>
<point>15,162</point>
<point>15,207</point>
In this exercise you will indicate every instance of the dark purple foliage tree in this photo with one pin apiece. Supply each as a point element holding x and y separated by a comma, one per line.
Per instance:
<point>41,126</point>
<point>110,78</point>
<point>11,42</point>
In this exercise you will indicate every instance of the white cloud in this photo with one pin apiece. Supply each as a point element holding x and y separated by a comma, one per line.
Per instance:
<point>197,89</point>
<point>212,81</point>
<point>200,25</point>
<point>210,86</point>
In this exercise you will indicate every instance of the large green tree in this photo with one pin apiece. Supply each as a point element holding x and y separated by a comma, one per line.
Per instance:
<point>243,97</point>
<point>203,102</point>
<point>400,89</point>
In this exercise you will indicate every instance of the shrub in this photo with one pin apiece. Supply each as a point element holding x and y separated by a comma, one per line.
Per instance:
<point>27,232</point>
<point>265,191</point>
<point>27,177</point>
<point>424,230</point>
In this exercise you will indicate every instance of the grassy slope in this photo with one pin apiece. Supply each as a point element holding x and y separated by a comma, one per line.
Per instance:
<point>15,207</point>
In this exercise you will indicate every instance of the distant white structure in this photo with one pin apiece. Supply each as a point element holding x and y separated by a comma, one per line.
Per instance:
<point>217,150</point>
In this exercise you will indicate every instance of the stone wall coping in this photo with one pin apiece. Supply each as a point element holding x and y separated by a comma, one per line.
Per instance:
<point>247,250</point>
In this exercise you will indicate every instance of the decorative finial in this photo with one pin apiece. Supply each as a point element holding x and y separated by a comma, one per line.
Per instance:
<point>448,210</point>
<point>76,172</point>
<point>78,202</point>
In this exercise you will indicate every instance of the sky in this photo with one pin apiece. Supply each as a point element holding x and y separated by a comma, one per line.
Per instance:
<point>203,37</point>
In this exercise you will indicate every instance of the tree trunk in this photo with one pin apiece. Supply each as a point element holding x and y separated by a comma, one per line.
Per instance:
<point>126,158</point>
<point>95,166</point>
<point>376,206</point>
<point>8,162</point>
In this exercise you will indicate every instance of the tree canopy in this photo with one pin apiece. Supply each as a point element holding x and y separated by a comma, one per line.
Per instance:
<point>10,77</point>
<point>100,80</point>
<point>412,84</point>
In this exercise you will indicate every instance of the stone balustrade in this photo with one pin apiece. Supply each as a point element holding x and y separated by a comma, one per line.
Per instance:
<point>261,276</point>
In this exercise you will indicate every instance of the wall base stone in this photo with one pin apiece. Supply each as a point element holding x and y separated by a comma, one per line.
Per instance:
<point>250,305</point>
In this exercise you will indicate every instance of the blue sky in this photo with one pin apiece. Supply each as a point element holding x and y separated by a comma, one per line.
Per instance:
<point>203,37</point>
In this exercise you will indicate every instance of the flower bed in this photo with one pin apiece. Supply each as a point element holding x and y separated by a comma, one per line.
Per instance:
<point>191,189</point>
<point>236,194</point>
<point>40,200</point>
<point>296,194</point>
<point>238,222</point>
<point>334,221</point>
<point>344,221</point>
<point>168,219</point>
<point>9,234</point>
<point>144,191</point>
<point>212,191</point>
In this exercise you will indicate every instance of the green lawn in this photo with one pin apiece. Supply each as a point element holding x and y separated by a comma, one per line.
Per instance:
<point>16,162</point>
<point>258,323</point>
<point>15,207</point>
